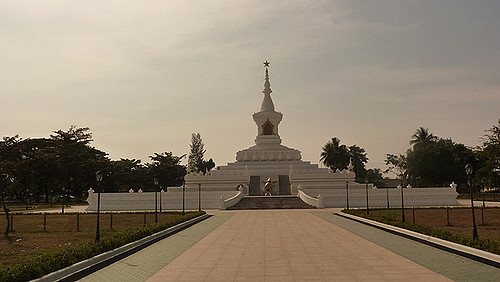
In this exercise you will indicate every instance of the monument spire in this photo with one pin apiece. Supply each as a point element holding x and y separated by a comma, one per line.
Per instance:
<point>267,103</point>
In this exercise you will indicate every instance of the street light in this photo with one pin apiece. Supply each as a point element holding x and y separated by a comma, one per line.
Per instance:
<point>98,177</point>
<point>27,198</point>
<point>68,190</point>
<point>199,196</point>
<point>156,200</point>
<point>63,199</point>
<point>347,194</point>
<point>161,190</point>
<point>402,199</point>
<point>183,196</point>
<point>387,196</point>
<point>366,188</point>
<point>65,194</point>
<point>468,170</point>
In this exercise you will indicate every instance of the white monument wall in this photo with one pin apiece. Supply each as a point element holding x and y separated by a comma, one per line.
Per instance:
<point>170,200</point>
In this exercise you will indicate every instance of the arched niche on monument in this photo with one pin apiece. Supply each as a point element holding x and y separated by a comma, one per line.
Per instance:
<point>267,128</point>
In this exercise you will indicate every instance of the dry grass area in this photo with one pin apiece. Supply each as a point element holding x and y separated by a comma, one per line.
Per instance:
<point>460,220</point>
<point>29,236</point>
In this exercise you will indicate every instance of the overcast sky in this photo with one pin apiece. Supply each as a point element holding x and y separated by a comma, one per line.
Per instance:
<point>144,75</point>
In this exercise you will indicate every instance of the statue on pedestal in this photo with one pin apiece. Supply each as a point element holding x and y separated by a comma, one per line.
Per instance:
<point>268,186</point>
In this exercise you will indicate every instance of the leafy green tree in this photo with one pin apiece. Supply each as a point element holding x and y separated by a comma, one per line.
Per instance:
<point>10,155</point>
<point>375,176</point>
<point>207,166</point>
<point>78,160</point>
<point>438,163</point>
<point>167,168</point>
<point>196,161</point>
<point>489,156</point>
<point>432,161</point>
<point>10,158</point>
<point>196,155</point>
<point>127,174</point>
<point>5,180</point>
<point>397,165</point>
<point>335,155</point>
<point>358,159</point>
<point>422,135</point>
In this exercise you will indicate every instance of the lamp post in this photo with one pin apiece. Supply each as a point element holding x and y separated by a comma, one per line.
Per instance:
<point>161,189</point>
<point>468,170</point>
<point>27,198</point>
<point>347,194</point>
<point>68,190</point>
<point>98,177</point>
<point>387,196</point>
<point>482,191</point>
<point>156,200</point>
<point>199,196</point>
<point>183,196</point>
<point>63,199</point>
<point>366,188</point>
<point>497,170</point>
<point>402,199</point>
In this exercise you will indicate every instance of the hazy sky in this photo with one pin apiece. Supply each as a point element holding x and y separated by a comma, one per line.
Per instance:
<point>144,75</point>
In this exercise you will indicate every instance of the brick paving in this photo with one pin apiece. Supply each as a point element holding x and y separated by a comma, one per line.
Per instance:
<point>455,267</point>
<point>141,265</point>
<point>290,245</point>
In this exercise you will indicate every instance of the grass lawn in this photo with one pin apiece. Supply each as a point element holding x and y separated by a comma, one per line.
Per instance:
<point>433,221</point>
<point>28,237</point>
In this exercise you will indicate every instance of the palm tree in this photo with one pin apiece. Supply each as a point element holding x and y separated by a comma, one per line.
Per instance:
<point>422,135</point>
<point>359,159</point>
<point>335,155</point>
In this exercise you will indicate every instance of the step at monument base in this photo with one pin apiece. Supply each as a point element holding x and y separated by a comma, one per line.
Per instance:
<point>270,202</point>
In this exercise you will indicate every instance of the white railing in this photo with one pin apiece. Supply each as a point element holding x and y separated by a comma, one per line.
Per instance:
<point>224,204</point>
<point>316,202</point>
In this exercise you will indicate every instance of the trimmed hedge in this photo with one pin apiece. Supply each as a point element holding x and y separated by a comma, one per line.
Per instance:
<point>482,244</point>
<point>46,262</point>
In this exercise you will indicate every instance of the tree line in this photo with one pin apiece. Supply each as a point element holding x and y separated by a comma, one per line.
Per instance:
<point>65,164</point>
<point>429,162</point>
<point>435,161</point>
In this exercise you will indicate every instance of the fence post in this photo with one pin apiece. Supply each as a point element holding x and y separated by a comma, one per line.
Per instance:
<point>448,216</point>
<point>78,222</point>
<point>144,218</point>
<point>482,215</point>
<point>44,222</point>
<point>413,214</point>
<point>111,220</point>
<point>11,222</point>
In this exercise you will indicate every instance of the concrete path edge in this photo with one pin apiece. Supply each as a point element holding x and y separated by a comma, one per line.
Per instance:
<point>469,252</point>
<point>84,268</point>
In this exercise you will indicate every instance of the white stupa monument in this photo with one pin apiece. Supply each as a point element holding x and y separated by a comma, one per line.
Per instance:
<point>270,162</point>
<point>268,158</point>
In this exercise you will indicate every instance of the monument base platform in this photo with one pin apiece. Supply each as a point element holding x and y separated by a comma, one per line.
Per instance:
<point>270,202</point>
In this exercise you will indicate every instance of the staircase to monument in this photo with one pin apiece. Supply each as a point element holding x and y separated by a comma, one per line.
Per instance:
<point>270,202</point>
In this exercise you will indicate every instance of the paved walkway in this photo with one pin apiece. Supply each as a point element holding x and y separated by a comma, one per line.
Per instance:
<point>290,245</point>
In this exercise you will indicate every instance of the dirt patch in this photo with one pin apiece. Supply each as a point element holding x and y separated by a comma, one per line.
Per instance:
<point>460,220</point>
<point>29,236</point>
